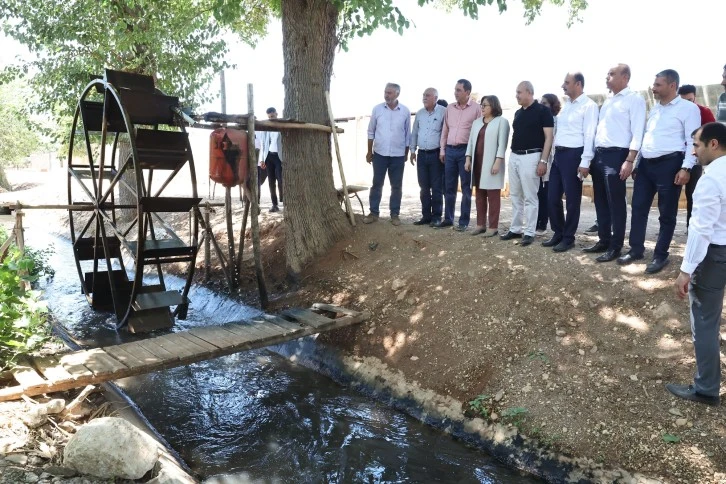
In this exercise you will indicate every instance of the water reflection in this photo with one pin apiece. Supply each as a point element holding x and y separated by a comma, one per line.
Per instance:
<point>256,415</point>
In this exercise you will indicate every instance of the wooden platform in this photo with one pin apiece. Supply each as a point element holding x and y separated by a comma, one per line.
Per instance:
<point>51,374</point>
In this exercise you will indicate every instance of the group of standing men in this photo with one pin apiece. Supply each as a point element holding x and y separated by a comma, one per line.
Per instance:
<point>611,144</point>
<point>662,154</point>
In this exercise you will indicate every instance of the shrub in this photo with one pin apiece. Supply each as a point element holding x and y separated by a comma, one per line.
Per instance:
<point>23,316</point>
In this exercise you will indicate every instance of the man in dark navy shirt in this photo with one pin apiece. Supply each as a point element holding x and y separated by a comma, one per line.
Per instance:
<point>531,143</point>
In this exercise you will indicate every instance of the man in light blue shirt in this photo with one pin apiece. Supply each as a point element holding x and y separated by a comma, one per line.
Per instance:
<point>389,136</point>
<point>425,137</point>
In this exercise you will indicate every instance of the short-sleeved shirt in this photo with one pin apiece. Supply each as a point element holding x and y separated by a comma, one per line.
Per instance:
<point>528,126</point>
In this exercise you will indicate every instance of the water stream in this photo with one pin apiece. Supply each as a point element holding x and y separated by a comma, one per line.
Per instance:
<point>257,415</point>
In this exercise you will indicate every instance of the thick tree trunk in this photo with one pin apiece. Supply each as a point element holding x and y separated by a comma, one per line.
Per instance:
<point>314,220</point>
<point>4,183</point>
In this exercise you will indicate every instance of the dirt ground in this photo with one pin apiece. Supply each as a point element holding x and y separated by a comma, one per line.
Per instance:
<point>573,352</point>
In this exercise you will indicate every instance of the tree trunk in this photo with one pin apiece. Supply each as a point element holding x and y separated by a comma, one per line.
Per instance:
<point>314,220</point>
<point>4,183</point>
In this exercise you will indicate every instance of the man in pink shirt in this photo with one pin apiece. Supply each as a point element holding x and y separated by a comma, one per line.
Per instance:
<point>458,119</point>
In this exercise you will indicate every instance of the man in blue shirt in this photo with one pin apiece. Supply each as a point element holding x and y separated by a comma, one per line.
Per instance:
<point>389,136</point>
<point>425,138</point>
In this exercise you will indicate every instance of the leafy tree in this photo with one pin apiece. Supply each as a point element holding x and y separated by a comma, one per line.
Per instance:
<point>179,42</point>
<point>17,138</point>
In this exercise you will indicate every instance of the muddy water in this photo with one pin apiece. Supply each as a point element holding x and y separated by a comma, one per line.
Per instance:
<point>256,415</point>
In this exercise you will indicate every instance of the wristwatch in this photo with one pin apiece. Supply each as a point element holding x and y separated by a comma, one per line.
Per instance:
<point>543,161</point>
<point>687,169</point>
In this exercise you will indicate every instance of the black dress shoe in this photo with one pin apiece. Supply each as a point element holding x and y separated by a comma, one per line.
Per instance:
<point>597,248</point>
<point>274,209</point>
<point>608,256</point>
<point>656,265</point>
<point>687,392</point>
<point>442,223</point>
<point>629,258</point>
<point>563,246</point>
<point>552,242</point>
<point>510,235</point>
<point>526,240</point>
<point>422,222</point>
<point>434,222</point>
<point>592,230</point>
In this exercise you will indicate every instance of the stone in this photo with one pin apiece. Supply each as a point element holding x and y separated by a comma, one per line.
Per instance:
<point>398,284</point>
<point>681,422</point>
<point>664,311</point>
<point>499,395</point>
<point>401,295</point>
<point>109,448</point>
<point>560,332</point>
<point>675,411</point>
<point>19,459</point>
<point>634,377</point>
<point>31,478</point>
<point>60,471</point>
<point>35,416</point>
<point>57,405</point>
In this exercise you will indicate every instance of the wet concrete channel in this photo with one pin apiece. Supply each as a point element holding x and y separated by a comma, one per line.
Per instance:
<point>258,416</point>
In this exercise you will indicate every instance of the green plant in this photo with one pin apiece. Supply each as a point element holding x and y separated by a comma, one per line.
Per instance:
<point>515,415</point>
<point>671,439</point>
<point>481,405</point>
<point>23,316</point>
<point>537,355</point>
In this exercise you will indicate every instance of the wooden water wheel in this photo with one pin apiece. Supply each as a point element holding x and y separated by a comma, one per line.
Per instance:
<point>128,160</point>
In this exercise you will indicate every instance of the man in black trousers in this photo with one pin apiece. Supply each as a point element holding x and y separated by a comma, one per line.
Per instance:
<point>272,160</point>
<point>617,142</point>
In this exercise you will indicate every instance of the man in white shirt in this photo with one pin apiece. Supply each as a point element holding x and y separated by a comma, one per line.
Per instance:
<point>666,159</point>
<point>617,142</point>
<point>574,143</point>
<point>703,271</point>
<point>272,160</point>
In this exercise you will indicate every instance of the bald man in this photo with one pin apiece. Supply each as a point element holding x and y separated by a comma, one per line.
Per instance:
<point>533,128</point>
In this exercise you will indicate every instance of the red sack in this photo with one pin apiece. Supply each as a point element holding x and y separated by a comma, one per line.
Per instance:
<point>228,156</point>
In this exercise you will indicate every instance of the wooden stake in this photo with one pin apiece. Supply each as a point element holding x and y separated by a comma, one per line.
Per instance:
<point>207,252</point>
<point>242,239</point>
<point>340,161</point>
<point>252,157</point>
<point>230,237</point>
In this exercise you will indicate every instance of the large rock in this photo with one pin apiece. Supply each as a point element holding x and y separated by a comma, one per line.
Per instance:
<point>109,448</point>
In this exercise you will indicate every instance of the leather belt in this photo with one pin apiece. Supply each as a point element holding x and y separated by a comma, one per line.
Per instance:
<point>527,152</point>
<point>435,150</point>
<point>463,145</point>
<point>566,148</point>
<point>608,149</point>
<point>663,157</point>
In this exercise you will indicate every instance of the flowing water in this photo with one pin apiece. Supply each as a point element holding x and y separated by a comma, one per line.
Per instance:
<point>256,415</point>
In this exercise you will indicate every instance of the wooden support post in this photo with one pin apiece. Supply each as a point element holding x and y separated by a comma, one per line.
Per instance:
<point>340,161</point>
<point>207,236</point>
<point>252,157</point>
<point>19,235</point>
<point>242,240</point>
<point>230,238</point>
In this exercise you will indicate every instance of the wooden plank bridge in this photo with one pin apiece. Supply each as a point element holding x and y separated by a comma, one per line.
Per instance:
<point>38,376</point>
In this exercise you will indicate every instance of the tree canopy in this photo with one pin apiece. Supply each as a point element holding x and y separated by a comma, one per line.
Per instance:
<point>181,43</point>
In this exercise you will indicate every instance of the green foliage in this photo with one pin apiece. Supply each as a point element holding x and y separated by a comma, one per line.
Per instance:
<point>18,139</point>
<point>670,438</point>
<point>515,415</point>
<point>362,17</point>
<point>23,316</point>
<point>537,355</point>
<point>179,42</point>
<point>481,405</point>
